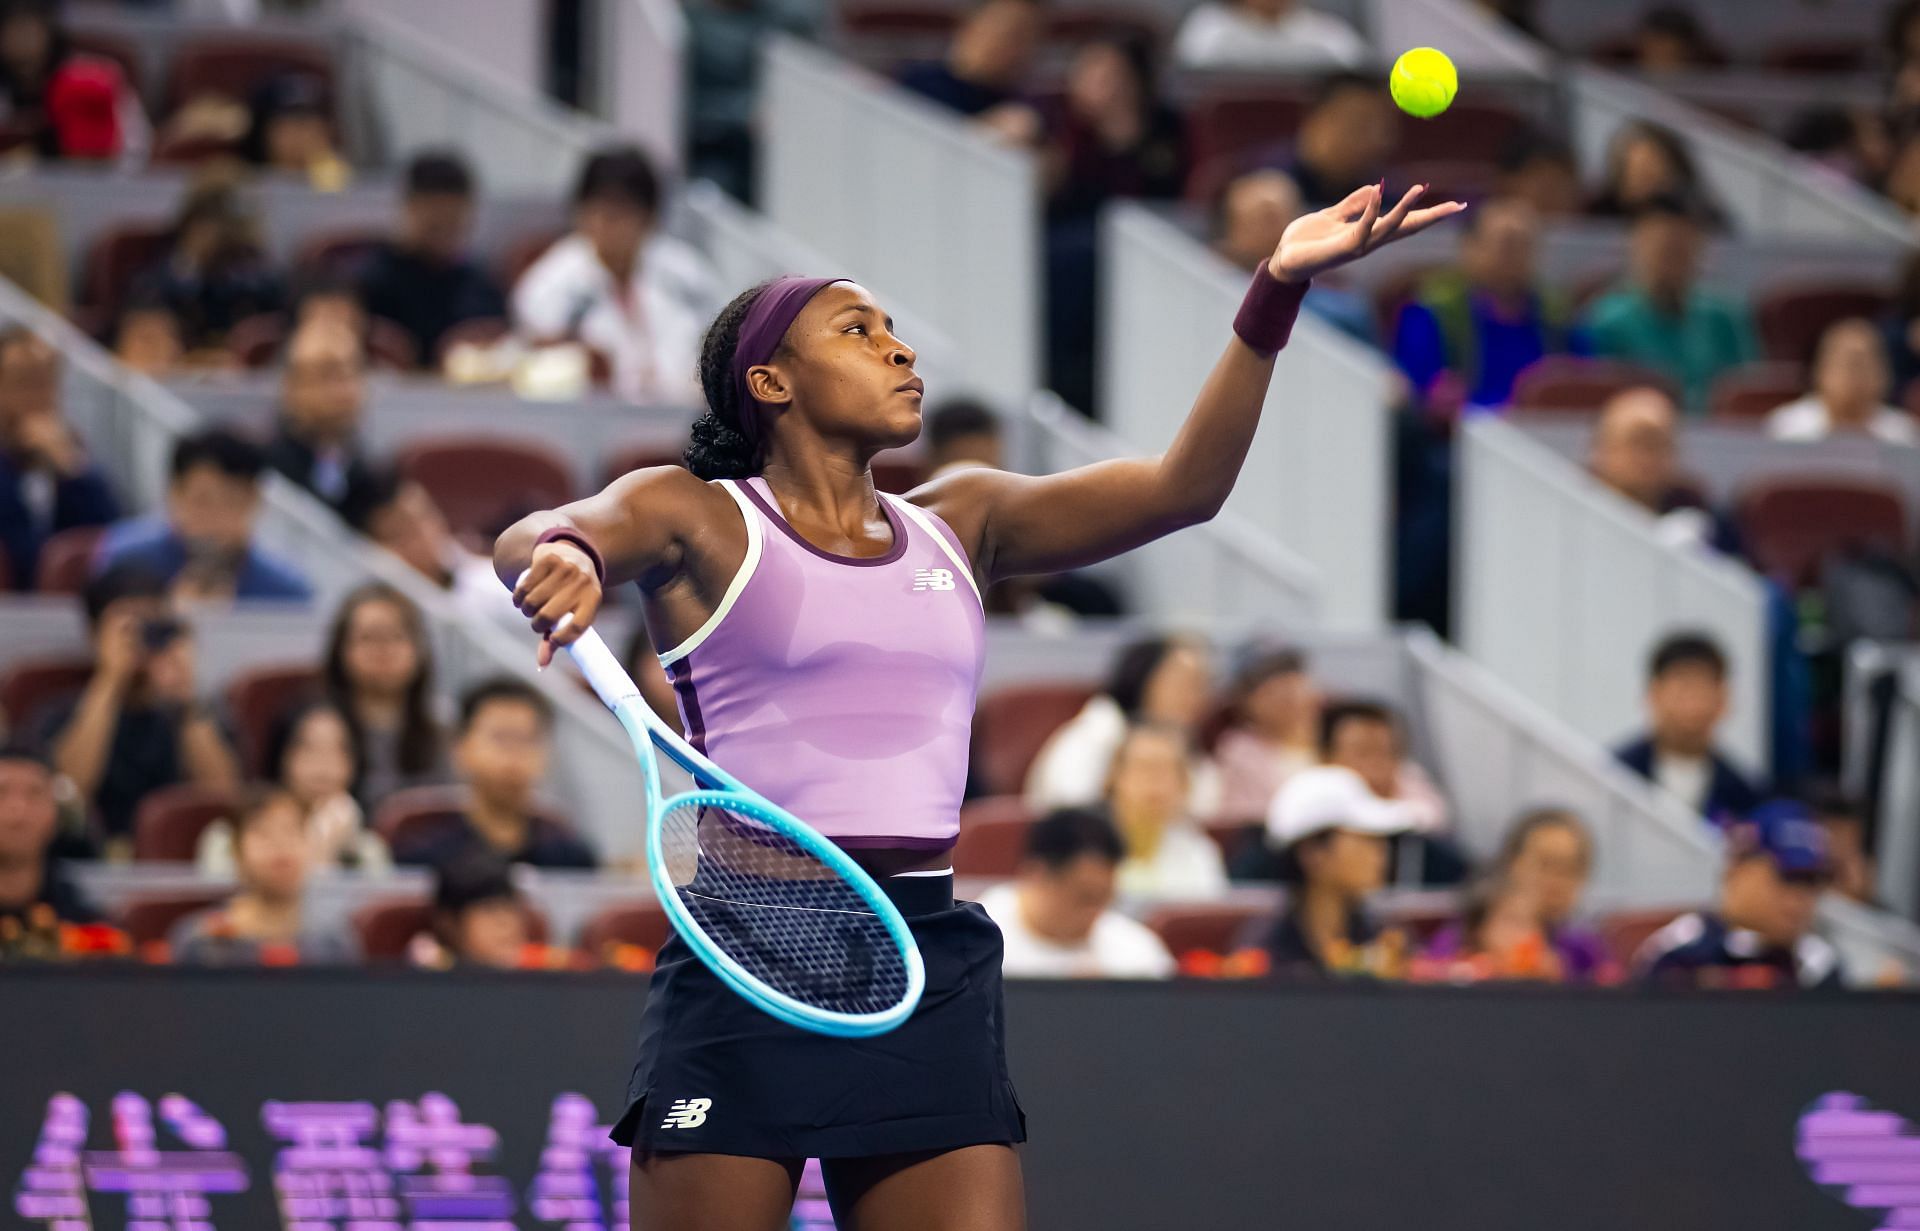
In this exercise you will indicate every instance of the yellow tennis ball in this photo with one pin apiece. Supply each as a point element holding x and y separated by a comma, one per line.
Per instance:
<point>1424,82</point>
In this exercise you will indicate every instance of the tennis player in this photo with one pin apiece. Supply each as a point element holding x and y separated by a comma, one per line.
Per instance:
<point>825,648</point>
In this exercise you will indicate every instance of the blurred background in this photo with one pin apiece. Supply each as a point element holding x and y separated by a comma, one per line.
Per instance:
<point>1507,811</point>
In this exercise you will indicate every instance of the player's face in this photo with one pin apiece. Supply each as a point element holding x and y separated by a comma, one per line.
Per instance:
<point>855,379</point>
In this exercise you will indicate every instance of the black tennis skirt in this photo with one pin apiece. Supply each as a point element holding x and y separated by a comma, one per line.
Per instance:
<point>717,1076</point>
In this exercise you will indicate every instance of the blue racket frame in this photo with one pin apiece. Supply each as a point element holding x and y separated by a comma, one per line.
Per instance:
<point>646,732</point>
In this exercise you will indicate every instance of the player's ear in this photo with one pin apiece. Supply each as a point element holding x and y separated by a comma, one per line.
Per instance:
<point>765,384</point>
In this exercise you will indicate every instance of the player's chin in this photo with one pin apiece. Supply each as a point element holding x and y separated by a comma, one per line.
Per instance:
<point>898,420</point>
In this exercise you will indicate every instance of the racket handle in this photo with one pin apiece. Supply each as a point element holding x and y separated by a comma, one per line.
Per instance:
<point>603,671</point>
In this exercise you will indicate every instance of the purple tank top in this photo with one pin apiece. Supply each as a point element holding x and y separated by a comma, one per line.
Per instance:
<point>841,688</point>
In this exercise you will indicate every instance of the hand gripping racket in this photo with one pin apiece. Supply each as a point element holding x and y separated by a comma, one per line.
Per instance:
<point>780,913</point>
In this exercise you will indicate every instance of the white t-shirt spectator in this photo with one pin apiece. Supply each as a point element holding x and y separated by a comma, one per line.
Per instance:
<point>1807,419</point>
<point>1186,864</point>
<point>1071,769</point>
<point>1117,948</point>
<point>650,330</point>
<point>1226,36</point>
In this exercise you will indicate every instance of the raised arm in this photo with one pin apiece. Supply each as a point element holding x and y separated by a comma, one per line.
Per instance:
<point>1044,523</point>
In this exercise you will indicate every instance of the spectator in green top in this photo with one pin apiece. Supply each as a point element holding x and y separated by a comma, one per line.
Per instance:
<point>1660,318</point>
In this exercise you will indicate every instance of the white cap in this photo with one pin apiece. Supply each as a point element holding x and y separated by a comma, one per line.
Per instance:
<point>1332,797</point>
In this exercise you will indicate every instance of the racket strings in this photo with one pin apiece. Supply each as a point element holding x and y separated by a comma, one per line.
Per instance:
<point>782,913</point>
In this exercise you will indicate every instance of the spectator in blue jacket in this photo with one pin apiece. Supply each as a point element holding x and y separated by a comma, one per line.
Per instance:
<point>47,482</point>
<point>1686,701</point>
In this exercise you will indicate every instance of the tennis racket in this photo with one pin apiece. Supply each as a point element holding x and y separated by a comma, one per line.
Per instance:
<point>777,911</point>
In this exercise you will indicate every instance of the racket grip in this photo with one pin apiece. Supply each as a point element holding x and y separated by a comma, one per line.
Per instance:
<point>609,679</point>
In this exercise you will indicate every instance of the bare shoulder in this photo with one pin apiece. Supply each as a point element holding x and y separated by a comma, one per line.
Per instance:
<point>668,494</point>
<point>964,499</point>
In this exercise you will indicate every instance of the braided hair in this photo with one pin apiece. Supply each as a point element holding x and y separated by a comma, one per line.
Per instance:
<point>718,449</point>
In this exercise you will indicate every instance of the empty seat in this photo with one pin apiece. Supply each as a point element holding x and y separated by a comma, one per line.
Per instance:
<point>484,485</point>
<point>147,920</point>
<point>1791,319</point>
<point>66,560</point>
<point>257,698</point>
<point>235,65</point>
<point>169,822</point>
<point>1755,390</point>
<point>1792,525</point>
<point>1626,931</point>
<point>1011,724</point>
<point>386,928</point>
<point>34,687</point>
<point>993,836</point>
<point>642,924</point>
<point>1564,383</point>
<point>1219,928</point>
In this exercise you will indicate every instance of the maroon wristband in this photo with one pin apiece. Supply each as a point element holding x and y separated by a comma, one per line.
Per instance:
<point>563,534</point>
<point>1268,312</point>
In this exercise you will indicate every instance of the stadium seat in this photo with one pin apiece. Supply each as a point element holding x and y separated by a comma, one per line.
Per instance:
<point>148,920</point>
<point>415,815</point>
<point>1791,319</point>
<point>1228,128</point>
<point>1792,525</point>
<point>1804,55</point>
<point>1011,724</point>
<point>1625,931</point>
<point>993,836</point>
<point>256,341</point>
<point>1564,383</point>
<point>894,20</point>
<point>107,45</point>
<point>169,822</point>
<point>1211,929</point>
<point>640,923</point>
<point>258,697</point>
<point>386,928</point>
<point>1753,391</point>
<point>114,259</point>
<point>66,560</point>
<point>1085,25</point>
<point>484,485</point>
<point>640,457</point>
<point>35,686</point>
<point>235,65</point>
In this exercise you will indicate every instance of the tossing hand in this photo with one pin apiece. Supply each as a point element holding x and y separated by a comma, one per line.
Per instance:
<point>1327,239</point>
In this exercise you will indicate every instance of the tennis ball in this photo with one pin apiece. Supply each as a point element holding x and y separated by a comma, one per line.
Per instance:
<point>1424,82</point>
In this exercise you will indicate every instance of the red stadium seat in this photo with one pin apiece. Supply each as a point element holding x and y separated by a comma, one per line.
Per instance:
<point>642,457</point>
<point>993,836</point>
<point>1011,724</point>
<point>1563,383</point>
<point>1625,931</point>
<point>1792,525</point>
<point>1791,319</point>
<point>257,698</point>
<point>1803,55</point>
<point>115,259</point>
<point>168,824</point>
<point>894,21</point>
<point>1753,391</point>
<point>256,341</point>
<point>484,485</point>
<point>643,924</point>
<point>390,347</point>
<point>386,928</point>
<point>235,65</point>
<point>148,920</point>
<point>415,815</point>
<point>1086,25</point>
<point>1208,929</point>
<point>35,686</point>
<point>66,560</point>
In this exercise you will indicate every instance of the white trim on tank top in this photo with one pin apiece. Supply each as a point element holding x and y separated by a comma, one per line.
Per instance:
<point>921,520</point>
<point>734,587</point>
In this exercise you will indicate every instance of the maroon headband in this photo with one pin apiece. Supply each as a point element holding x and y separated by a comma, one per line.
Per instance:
<point>767,322</point>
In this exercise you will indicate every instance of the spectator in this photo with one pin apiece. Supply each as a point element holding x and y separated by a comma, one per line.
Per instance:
<point>1333,832</point>
<point>1686,701</point>
<point>400,515</point>
<point>203,544</point>
<point>1762,934</point>
<point>1058,919</point>
<point>1541,171</point>
<point>986,69</point>
<point>1482,323</point>
<point>292,130</point>
<point>1633,451</point>
<point>1165,681</point>
<point>1647,163</point>
<point>422,279</point>
<point>959,433</point>
<point>68,104</point>
<point>1344,141</point>
<point>137,726</point>
<point>1543,865</point>
<point>1850,385</point>
<point>47,482</point>
<point>1365,737</point>
<point>215,273</point>
<point>1661,318</point>
<point>310,754</point>
<point>379,673</point>
<point>1500,937</point>
<point>722,67</point>
<point>334,302</point>
<point>323,399</point>
<point>1114,137</point>
<point>1671,39</point>
<point>265,922</point>
<point>479,918</point>
<point>1266,34</point>
<point>618,287</point>
<point>1844,822</point>
<point>34,894</point>
<point>501,754</point>
<point>1273,732</point>
<point>1250,214</point>
<point>1148,786</point>
<point>147,338</point>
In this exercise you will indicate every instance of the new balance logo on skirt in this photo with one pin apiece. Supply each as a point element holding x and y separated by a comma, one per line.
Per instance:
<point>687,1113</point>
<point>933,579</point>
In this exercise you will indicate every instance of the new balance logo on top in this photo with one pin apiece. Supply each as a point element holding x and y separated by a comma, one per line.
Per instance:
<point>933,579</point>
<point>687,1113</point>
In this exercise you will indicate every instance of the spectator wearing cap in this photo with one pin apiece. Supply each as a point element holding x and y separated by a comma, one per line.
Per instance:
<point>1851,379</point>
<point>423,279</point>
<point>203,544</point>
<point>1686,702</point>
<point>619,287</point>
<point>1541,872</point>
<point>137,726</point>
<point>400,515</point>
<point>69,104</point>
<point>265,922</point>
<point>1761,935</point>
<point>1660,317</point>
<point>1334,833</point>
<point>1149,786</point>
<point>214,272</point>
<point>1057,917</point>
<point>1266,34</point>
<point>1273,732</point>
<point>479,917</point>
<point>291,130</point>
<point>323,400</point>
<point>47,482</point>
<point>34,893</point>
